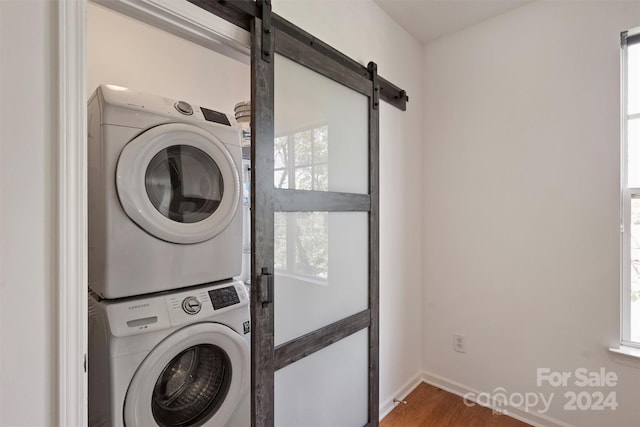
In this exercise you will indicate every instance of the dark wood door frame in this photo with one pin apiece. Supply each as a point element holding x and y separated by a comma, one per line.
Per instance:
<point>272,34</point>
<point>262,335</point>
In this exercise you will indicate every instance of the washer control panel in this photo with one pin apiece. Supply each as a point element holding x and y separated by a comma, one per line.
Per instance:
<point>142,315</point>
<point>204,301</point>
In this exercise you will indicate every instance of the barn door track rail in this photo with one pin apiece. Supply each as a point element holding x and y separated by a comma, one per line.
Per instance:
<point>241,12</point>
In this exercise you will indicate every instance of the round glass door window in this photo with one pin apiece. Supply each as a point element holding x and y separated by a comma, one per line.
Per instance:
<point>192,387</point>
<point>184,183</point>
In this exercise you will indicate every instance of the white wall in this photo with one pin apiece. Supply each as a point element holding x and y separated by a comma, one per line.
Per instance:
<point>360,29</point>
<point>27,213</point>
<point>521,205</point>
<point>125,52</point>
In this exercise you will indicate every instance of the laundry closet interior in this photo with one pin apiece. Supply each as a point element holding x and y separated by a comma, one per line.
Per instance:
<point>170,226</point>
<point>157,286</point>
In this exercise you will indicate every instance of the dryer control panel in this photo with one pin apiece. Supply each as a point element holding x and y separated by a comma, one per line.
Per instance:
<point>148,105</point>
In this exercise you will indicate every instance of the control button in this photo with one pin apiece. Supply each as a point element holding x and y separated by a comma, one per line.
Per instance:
<point>191,305</point>
<point>184,108</point>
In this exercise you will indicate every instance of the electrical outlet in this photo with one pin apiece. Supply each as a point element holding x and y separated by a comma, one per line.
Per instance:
<point>459,342</point>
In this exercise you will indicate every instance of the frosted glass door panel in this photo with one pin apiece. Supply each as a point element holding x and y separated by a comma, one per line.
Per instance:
<point>321,270</point>
<point>321,132</point>
<point>327,388</point>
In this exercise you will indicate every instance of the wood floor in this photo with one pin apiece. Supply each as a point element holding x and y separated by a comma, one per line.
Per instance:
<point>429,406</point>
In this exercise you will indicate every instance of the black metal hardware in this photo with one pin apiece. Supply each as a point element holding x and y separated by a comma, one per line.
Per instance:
<point>266,287</point>
<point>629,40</point>
<point>240,13</point>
<point>374,245</point>
<point>373,69</point>
<point>267,37</point>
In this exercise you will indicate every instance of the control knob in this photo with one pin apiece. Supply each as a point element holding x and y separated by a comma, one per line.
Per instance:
<point>191,305</point>
<point>184,108</point>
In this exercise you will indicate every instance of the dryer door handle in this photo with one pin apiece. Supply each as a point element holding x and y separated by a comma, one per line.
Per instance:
<point>266,287</point>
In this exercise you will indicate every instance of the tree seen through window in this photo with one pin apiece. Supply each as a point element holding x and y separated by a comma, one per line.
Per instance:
<point>301,238</point>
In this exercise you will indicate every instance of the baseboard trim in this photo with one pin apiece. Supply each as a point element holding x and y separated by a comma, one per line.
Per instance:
<point>537,420</point>
<point>388,405</point>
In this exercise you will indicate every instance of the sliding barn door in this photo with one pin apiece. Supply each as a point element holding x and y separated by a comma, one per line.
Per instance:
<point>315,235</point>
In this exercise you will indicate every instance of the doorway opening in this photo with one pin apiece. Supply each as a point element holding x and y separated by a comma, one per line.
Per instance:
<point>328,204</point>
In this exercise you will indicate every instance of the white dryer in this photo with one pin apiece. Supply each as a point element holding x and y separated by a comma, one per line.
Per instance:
<point>164,194</point>
<point>175,359</point>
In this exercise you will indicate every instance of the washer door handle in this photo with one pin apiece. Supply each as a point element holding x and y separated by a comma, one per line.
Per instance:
<point>266,287</point>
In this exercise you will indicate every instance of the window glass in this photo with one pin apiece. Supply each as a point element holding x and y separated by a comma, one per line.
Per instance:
<point>301,160</point>
<point>301,243</point>
<point>635,270</point>
<point>631,197</point>
<point>633,153</point>
<point>633,79</point>
<point>321,270</point>
<point>322,132</point>
<point>192,387</point>
<point>184,184</point>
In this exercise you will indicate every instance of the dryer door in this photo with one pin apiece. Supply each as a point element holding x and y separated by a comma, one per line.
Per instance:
<point>179,183</point>
<point>195,377</point>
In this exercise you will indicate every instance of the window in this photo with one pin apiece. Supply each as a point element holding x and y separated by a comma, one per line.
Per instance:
<point>301,245</point>
<point>301,239</point>
<point>630,179</point>
<point>301,159</point>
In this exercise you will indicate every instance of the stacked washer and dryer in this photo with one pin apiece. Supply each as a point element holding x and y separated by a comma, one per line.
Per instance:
<point>169,327</point>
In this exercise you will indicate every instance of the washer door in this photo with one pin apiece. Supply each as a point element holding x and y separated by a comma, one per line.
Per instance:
<point>195,377</point>
<point>179,183</point>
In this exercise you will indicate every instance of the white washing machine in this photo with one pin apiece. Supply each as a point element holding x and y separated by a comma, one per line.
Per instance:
<point>174,359</point>
<point>164,194</point>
